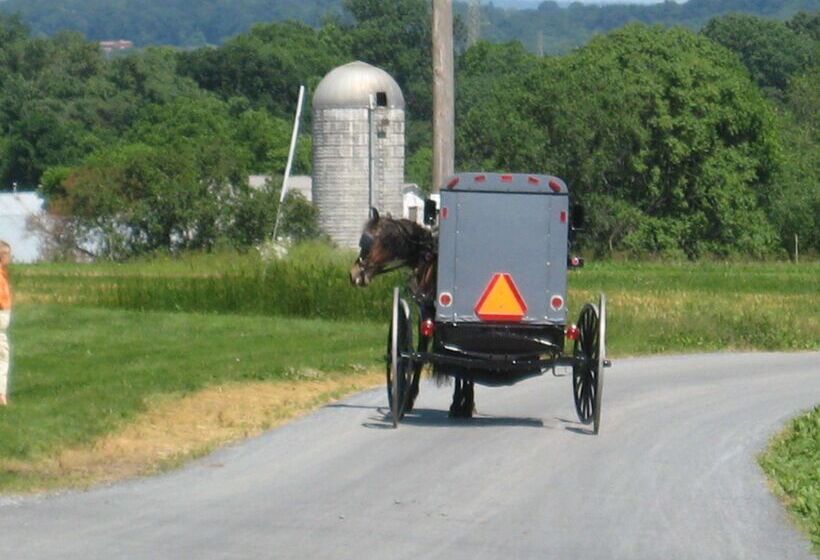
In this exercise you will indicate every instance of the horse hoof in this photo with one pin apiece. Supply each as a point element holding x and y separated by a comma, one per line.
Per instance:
<point>461,411</point>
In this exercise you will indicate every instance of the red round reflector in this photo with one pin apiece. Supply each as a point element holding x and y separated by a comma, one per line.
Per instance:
<point>453,182</point>
<point>480,178</point>
<point>427,328</point>
<point>532,180</point>
<point>572,332</point>
<point>563,216</point>
<point>445,299</point>
<point>575,261</point>
<point>443,213</point>
<point>555,185</point>
<point>557,302</point>
<point>506,178</point>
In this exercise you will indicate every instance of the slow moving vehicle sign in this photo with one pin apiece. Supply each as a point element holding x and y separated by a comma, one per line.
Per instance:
<point>501,300</point>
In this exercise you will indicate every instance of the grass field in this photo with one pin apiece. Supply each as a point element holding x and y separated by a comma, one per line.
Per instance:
<point>96,347</point>
<point>793,463</point>
<point>81,373</point>
<point>653,307</point>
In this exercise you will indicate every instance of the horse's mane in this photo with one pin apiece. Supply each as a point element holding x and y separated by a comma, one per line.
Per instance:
<point>414,246</point>
<point>405,239</point>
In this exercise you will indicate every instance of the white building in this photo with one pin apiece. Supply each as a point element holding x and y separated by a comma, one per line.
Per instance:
<point>413,203</point>
<point>15,211</point>
<point>303,184</point>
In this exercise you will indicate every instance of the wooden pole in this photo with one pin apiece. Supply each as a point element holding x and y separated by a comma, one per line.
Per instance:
<point>443,93</point>
<point>796,254</point>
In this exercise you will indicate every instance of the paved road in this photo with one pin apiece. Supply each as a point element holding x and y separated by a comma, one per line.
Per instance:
<point>672,475</point>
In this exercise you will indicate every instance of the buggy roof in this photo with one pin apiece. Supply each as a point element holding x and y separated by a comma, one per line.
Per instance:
<point>506,183</point>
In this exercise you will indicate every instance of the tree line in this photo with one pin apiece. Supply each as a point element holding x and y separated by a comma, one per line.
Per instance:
<point>678,143</point>
<point>194,23</point>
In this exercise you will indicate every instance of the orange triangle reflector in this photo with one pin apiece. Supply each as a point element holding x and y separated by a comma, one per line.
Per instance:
<point>501,300</point>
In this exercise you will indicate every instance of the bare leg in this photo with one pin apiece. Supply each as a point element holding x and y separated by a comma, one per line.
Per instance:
<point>5,317</point>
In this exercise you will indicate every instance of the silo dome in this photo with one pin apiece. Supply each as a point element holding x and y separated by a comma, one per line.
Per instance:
<point>350,86</point>
<point>358,149</point>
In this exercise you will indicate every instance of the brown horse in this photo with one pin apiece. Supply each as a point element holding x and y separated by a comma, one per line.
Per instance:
<point>387,244</point>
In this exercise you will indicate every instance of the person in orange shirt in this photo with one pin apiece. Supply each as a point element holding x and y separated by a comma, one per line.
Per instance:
<point>5,318</point>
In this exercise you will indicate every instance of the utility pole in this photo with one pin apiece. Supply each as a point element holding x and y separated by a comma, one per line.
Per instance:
<point>443,93</point>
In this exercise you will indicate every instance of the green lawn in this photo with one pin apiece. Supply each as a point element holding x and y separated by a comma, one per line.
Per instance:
<point>79,373</point>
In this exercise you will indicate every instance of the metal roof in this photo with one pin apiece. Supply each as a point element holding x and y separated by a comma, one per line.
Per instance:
<point>350,87</point>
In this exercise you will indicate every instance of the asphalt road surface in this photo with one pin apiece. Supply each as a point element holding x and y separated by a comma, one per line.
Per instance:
<point>672,475</point>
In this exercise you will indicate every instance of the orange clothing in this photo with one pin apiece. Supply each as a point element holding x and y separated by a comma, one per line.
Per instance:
<point>5,290</point>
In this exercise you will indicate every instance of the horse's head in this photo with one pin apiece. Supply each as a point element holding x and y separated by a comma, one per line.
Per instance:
<point>387,244</point>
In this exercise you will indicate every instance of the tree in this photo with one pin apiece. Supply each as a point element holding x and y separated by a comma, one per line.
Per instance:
<point>806,24</point>
<point>770,50</point>
<point>61,100</point>
<point>661,128</point>
<point>396,36</point>
<point>177,181</point>
<point>796,208</point>
<point>267,65</point>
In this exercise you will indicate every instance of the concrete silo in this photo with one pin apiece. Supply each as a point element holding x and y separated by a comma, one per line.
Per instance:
<point>358,141</point>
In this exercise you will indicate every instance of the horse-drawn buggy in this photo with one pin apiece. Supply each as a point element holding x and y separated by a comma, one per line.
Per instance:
<point>489,282</point>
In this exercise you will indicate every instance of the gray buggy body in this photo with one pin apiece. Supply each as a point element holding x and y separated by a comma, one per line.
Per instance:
<point>493,224</point>
<point>510,229</point>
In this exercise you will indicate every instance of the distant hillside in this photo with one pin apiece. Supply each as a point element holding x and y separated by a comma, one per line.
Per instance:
<point>551,27</point>
<point>555,29</point>
<point>166,22</point>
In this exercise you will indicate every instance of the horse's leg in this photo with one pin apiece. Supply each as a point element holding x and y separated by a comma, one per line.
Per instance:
<point>469,399</point>
<point>414,386</point>
<point>455,407</point>
<point>463,399</point>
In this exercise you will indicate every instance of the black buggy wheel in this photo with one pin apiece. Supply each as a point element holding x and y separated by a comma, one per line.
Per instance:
<point>589,355</point>
<point>399,366</point>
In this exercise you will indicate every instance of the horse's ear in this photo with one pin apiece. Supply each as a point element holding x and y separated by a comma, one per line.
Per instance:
<point>374,215</point>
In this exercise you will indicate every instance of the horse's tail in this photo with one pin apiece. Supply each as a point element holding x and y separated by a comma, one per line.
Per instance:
<point>441,379</point>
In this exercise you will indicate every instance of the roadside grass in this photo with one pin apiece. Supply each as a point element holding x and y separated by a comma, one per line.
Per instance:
<point>792,462</point>
<point>80,374</point>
